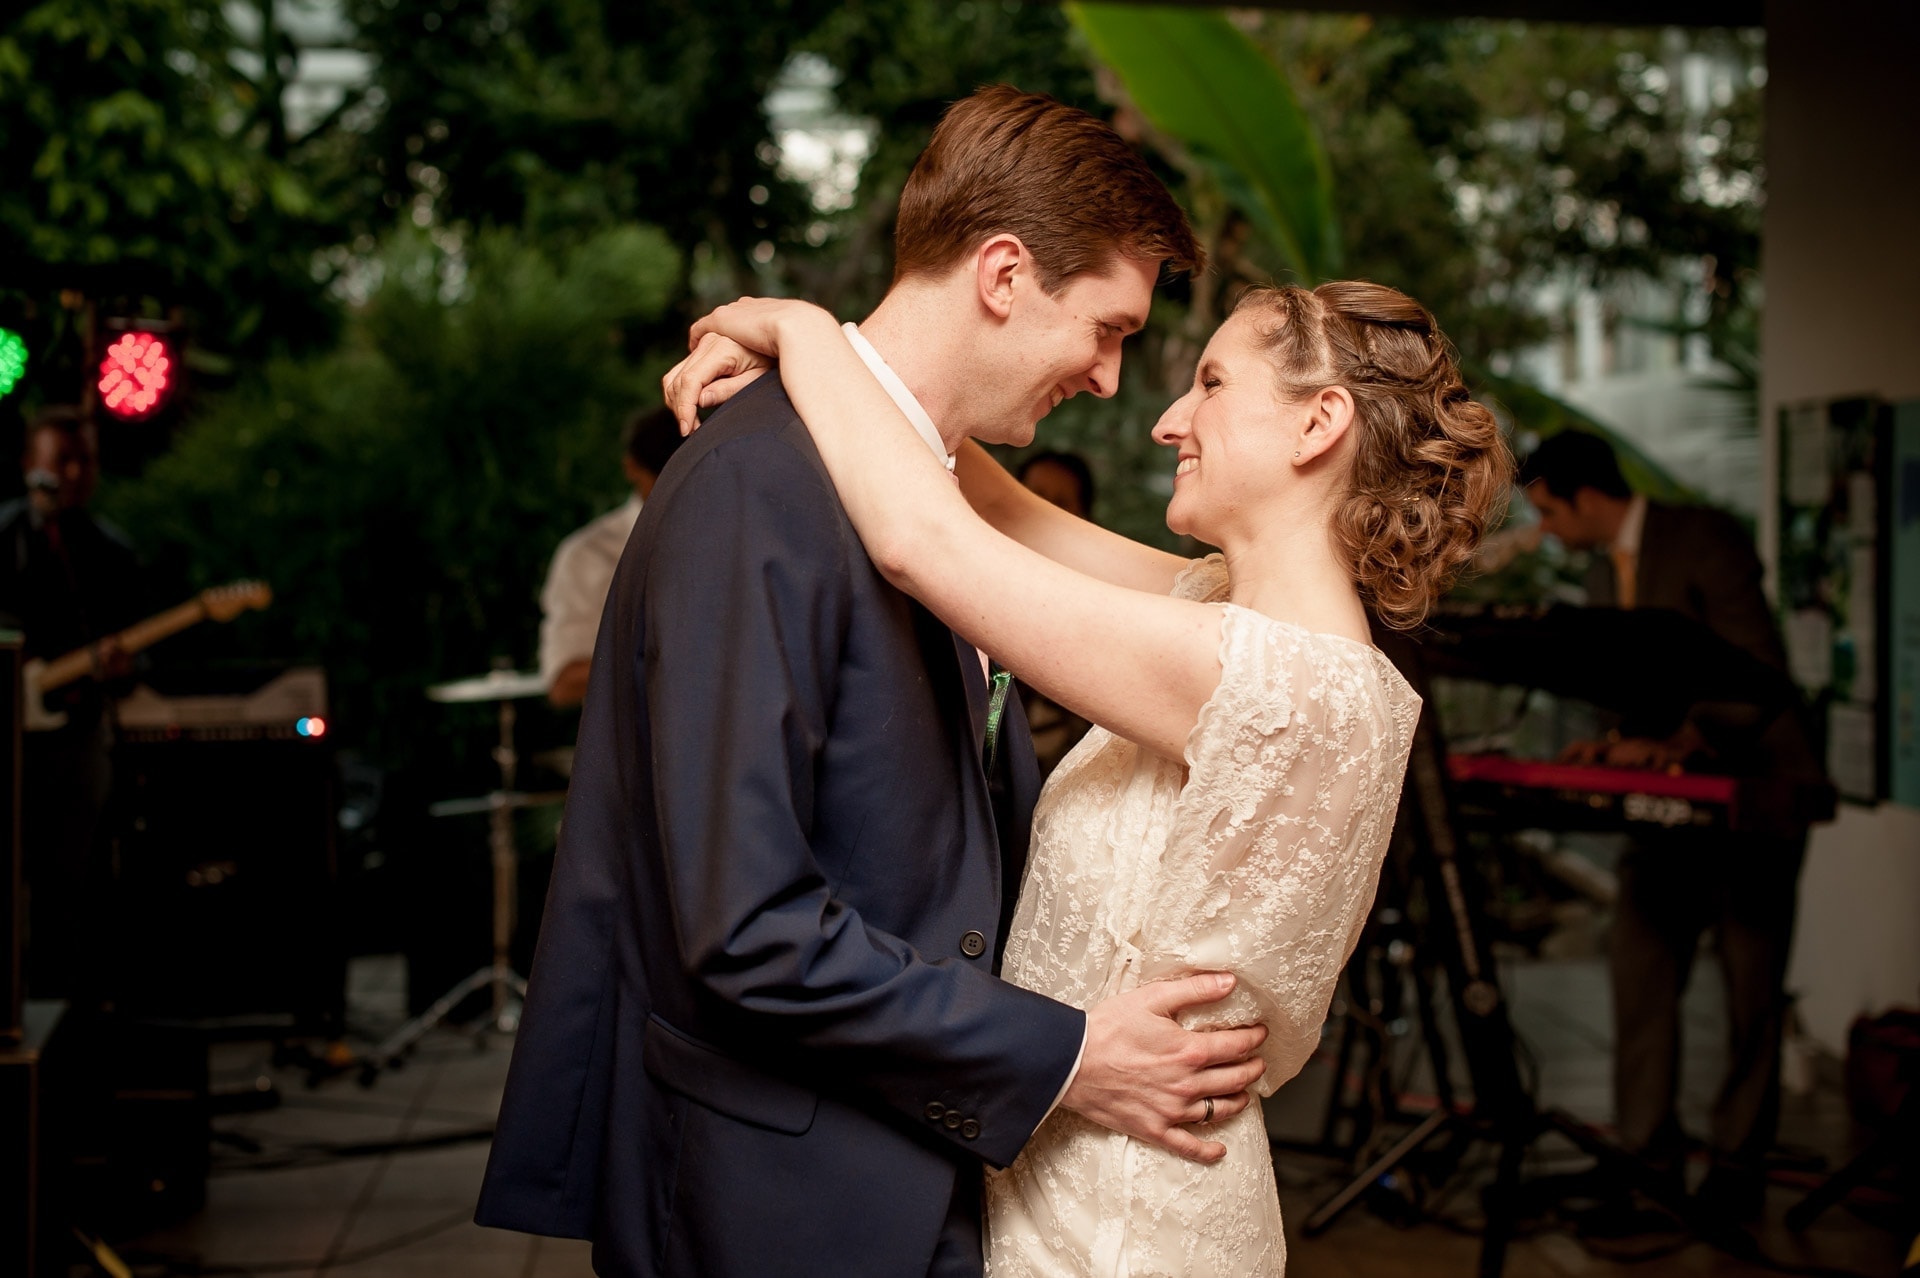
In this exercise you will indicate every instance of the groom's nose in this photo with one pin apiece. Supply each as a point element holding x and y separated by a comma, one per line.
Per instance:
<point>1103,379</point>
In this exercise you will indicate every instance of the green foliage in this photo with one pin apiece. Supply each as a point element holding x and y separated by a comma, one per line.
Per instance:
<point>136,176</point>
<point>474,206</point>
<point>1472,164</point>
<point>404,493</point>
<point>1474,161</point>
<point>564,116</point>
<point>901,64</point>
<point>1531,411</point>
<point>1204,83</point>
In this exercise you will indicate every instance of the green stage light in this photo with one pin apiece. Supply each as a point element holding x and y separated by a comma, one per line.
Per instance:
<point>13,359</point>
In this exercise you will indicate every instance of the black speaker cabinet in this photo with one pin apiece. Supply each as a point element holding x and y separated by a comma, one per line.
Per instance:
<point>12,898</point>
<point>22,1111</point>
<point>226,902</point>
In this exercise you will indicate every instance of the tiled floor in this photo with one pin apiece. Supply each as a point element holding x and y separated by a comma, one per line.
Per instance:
<point>1560,1010</point>
<point>401,1214</point>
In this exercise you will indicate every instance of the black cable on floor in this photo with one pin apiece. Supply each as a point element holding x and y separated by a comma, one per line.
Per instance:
<point>177,1267</point>
<point>317,1154</point>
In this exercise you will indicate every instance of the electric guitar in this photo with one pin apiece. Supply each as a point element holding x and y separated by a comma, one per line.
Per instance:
<point>221,603</point>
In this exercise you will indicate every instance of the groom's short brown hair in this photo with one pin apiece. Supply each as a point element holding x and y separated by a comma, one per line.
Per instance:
<point>1007,162</point>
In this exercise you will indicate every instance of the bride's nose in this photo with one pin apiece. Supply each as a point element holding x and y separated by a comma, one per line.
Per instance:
<point>1173,424</point>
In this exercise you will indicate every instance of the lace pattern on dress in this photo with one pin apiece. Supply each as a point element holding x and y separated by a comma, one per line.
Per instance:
<point>1260,856</point>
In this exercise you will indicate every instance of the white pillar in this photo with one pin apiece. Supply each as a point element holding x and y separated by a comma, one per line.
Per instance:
<point>1841,260</point>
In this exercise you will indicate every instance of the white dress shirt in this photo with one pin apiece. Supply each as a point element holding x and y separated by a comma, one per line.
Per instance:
<point>575,594</point>
<point>923,423</point>
<point>898,392</point>
<point>1624,550</point>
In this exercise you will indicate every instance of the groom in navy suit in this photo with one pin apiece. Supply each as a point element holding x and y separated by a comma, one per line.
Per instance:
<point>764,1034</point>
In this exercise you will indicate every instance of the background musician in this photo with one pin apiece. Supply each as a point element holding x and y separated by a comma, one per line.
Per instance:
<point>582,569</point>
<point>1065,479</point>
<point>1676,884</point>
<point>67,580</point>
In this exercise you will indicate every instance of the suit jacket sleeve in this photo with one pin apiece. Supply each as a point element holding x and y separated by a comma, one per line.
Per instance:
<point>746,609</point>
<point>1726,584</point>
<point>1729,584</point>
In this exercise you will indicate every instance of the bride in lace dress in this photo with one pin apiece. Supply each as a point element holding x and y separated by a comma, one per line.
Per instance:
<point>1231,809</point>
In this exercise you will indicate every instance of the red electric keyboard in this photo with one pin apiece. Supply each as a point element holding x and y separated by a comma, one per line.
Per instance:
<point>1528,794</point>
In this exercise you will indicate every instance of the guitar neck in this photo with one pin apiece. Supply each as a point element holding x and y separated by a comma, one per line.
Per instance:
<point>78,664</point>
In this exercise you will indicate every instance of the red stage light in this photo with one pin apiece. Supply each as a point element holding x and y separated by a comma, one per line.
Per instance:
<point>136,374</point>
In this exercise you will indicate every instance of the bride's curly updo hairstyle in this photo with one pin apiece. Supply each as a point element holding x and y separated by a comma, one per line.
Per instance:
<point>1430,469</point>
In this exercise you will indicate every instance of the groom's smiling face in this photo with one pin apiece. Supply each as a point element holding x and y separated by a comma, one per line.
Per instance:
<point>1061,344</point>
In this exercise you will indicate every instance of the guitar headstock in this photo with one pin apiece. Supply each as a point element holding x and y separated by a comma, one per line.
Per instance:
<point>224,603</point>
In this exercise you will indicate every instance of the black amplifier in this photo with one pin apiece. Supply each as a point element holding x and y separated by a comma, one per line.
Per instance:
<point>226,902</point>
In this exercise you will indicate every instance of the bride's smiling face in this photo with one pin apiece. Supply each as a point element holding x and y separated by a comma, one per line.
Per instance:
<point>1233,437</point>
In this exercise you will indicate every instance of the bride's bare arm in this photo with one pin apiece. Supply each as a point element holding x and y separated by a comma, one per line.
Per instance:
<point>1134,661</point>
<point>1039,525</point>
<point>724,367</point>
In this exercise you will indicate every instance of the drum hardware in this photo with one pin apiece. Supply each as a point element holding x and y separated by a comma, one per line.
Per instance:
<point>504,687</point>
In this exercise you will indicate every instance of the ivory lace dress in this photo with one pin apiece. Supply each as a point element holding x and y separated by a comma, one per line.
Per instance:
<point>1260,857</point>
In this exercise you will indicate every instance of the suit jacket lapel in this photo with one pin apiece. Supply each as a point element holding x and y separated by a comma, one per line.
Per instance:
<point>974,679</point>
<point>1650,581</point>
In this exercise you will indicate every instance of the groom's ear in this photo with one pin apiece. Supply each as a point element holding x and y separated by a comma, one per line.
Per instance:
<point>999,262</point>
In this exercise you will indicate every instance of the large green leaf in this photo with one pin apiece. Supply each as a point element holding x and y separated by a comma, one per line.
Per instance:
<point>1203,82</point>
<point>1536,412</point>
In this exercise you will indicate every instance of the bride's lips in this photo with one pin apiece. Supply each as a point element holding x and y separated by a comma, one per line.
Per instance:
<point>1187,466</point>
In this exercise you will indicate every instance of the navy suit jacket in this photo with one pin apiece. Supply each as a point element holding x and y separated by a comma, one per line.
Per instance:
<point>763,1034</point>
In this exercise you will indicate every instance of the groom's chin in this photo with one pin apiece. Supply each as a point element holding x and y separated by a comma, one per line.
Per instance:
<point>1009,434</point>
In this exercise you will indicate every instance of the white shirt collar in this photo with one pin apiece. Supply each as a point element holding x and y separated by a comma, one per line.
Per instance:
<point>897,390</point>
<point>1627,540</point>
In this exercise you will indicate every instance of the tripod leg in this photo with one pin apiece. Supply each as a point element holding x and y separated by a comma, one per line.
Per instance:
<point>1437,1058</point>
<point>1840,1184</point>
<point>1500,1201</point>
<point>1343,1061</point>
<point>402,1040</point>
<point>1326,1213</point>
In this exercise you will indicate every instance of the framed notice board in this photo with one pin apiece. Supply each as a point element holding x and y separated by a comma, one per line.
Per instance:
<point>1835,492</point>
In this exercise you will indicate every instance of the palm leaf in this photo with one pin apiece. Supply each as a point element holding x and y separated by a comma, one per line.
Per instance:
<point>1534,411</point>
<point>1204,83</point>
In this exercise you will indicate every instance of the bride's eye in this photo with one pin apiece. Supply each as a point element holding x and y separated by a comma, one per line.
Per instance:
<point>1209,383</point>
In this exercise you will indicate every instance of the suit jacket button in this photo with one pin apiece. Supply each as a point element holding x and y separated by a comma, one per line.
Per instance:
<point>953,1120</point>
<point>973,945</point>
<point>969,1129</point>
<point>935,1111</point>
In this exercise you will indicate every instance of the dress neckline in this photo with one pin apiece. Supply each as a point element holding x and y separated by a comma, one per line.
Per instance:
<point>1294,625</point>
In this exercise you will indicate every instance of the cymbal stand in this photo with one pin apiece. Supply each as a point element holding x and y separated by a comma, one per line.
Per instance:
<point>508,986</point>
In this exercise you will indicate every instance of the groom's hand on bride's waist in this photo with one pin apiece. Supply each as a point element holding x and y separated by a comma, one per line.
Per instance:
<point>1145,1075</point>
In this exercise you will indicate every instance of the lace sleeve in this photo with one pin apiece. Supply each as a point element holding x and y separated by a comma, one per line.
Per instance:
<point>1294,774</point>
<point>1203,580</point>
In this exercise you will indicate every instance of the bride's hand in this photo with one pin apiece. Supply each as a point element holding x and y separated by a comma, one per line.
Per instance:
<point>718,369</point>
<point>732,345</point>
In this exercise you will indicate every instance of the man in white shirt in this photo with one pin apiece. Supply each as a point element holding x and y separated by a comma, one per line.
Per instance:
<point>582,569</point>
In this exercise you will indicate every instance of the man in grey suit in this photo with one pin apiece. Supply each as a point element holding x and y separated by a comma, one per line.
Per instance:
<point>1701,563</point>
